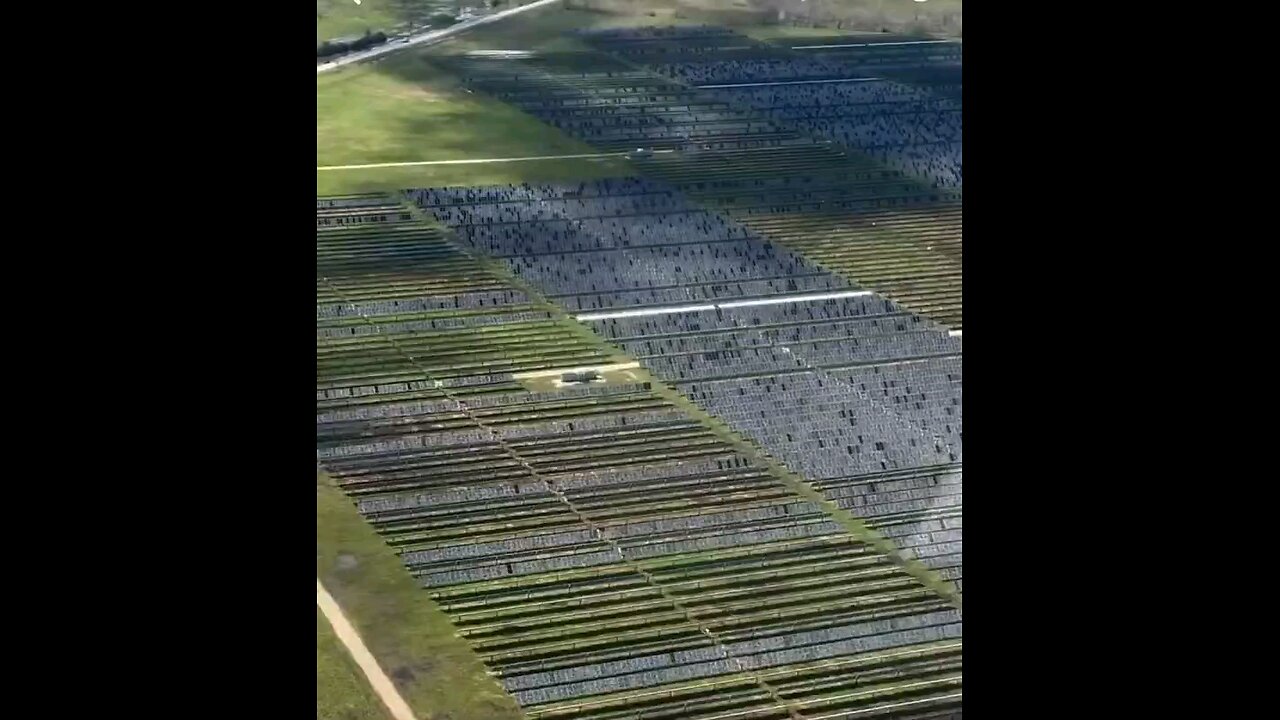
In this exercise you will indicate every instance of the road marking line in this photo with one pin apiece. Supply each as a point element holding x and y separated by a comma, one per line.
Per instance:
<point>777,300</point>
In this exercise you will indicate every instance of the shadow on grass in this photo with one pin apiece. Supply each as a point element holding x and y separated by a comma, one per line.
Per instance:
<point>409,109</point>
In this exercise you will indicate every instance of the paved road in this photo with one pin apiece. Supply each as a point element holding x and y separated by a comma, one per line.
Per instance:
<point>429,37</point>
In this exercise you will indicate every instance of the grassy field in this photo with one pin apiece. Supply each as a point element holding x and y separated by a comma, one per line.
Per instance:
<point>940,18</point>
<point>544,29</point>
<point>404,109</point>
<point>342,18</point>
<point>414,642</point>
<point>342,693</point>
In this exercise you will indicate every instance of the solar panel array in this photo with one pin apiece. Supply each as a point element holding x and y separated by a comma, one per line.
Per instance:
<point>787,272</point>
<point>898,102</point>
<point>606,549</point>
<point>842,389</point>
<point>861,178</point>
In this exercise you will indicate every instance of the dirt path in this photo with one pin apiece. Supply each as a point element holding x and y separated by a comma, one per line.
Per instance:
<point>351,639</point>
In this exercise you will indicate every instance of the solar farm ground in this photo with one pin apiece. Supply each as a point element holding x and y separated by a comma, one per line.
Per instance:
<point>589,590</point>
<point>414,642</point>
<point>791,355</point>
<point>882,227</point>
<point>406,108</point>
<point>608,549</point>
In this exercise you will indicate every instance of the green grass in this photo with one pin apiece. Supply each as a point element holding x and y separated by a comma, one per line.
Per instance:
<point>343,18</point>
<point>342,693</point>
<point>545,29</point>
<point>437,672</point>
<point>405,109</point>
<point>941,18</point>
